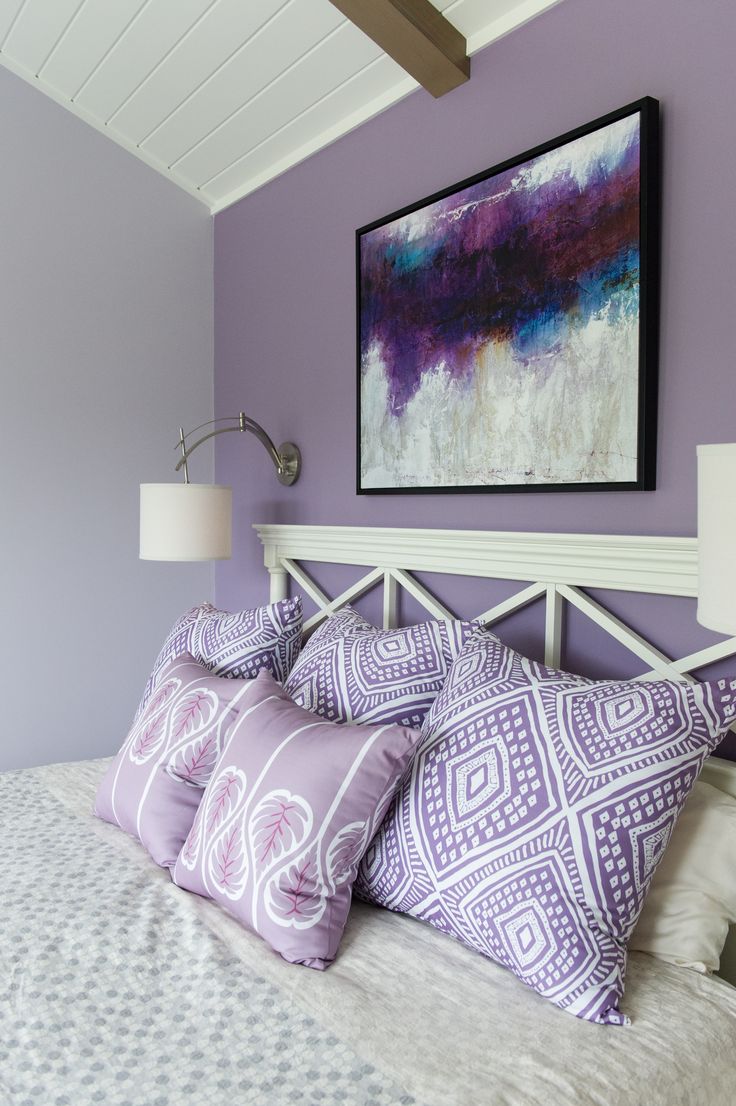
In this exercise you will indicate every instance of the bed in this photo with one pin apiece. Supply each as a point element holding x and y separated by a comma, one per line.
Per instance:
<point>117,987</point>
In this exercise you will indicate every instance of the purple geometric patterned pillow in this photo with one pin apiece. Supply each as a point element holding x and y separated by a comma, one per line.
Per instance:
<point>154,786</point>
<point>236,645</point>
<point>349,671</point>
<point>536,811</point>
<point>286,817</point>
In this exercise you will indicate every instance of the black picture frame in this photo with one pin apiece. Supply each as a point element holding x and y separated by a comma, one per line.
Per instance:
<point>648,110</point>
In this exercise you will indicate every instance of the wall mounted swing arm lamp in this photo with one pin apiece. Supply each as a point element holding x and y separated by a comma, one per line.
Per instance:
<point>193,522</point>
<point>287,458</point>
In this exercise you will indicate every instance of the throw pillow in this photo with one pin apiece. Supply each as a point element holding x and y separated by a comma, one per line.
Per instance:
<point>536,812</point>
<point>692,900</point>
<point>153,787</point>
<point>237,645</point>
<point>290,809</point>
<point>349,671</point>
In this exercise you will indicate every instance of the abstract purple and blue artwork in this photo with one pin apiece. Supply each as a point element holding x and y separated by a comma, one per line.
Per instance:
<point>501,331</point>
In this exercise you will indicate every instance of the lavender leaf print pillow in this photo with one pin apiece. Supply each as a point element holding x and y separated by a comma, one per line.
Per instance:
<point>537,809</point>
<point>289,811</point>
<point>153,787</point>
<point>350,671</point>
<point>235,645</point>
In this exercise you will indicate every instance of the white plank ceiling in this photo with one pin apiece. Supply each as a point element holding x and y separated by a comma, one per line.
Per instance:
<point>221,95</point>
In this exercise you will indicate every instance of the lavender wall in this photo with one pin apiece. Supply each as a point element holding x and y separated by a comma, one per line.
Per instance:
<point>284,287</point>
<point>105,344</point>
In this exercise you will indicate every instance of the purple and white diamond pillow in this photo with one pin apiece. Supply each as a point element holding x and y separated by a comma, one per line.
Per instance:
<point>236,645</point>
<point>536,811</point>
<point>350,671</point>
<point>290,809</point>
<point>153,787</point>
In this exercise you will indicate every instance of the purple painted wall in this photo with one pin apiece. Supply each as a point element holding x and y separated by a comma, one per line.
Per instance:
<point>105,347</point>
<point>284,289</point>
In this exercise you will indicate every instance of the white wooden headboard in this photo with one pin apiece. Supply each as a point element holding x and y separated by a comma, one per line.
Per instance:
<point>554,568</point>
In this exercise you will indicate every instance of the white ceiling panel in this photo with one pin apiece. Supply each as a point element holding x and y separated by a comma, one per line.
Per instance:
<point>40,25</point>
<point>9,10</point>
<point>226,27</point>
<point>250,74</point>
<point>88,40</point>
<point>221,95</point>
<point>332,117</point>
<point>147,43</point>
<point>315,75</point>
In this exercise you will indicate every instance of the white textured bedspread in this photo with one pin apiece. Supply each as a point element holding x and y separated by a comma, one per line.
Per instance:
<point>118,988</point>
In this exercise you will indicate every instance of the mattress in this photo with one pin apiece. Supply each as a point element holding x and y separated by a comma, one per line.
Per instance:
<point>119,988</point>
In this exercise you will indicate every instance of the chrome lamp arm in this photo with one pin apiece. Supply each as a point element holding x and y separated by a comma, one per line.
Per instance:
<point>287,458</point>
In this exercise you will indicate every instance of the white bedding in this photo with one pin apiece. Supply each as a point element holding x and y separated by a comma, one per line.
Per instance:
<point>118,988</point>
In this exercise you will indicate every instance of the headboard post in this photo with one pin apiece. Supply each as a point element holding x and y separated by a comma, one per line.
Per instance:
<point>277,573</point>
<point>279,588</point>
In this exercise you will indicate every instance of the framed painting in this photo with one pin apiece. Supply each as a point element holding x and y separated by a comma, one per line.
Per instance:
<point>507,326</point>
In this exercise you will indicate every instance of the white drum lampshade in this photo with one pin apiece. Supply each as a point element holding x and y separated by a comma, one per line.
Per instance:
<point>717,537</point>
<point>185,522</point>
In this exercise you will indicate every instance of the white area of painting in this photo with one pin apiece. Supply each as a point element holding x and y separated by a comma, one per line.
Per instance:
<point>578,159</point>
<point>583,157</point>
<point>565,418</point>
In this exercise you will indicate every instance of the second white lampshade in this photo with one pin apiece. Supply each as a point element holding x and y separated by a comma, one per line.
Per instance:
<point>185,522</point>
<point>717,537</point>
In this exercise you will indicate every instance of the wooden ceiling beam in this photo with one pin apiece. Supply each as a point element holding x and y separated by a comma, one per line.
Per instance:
<point>416,36</point>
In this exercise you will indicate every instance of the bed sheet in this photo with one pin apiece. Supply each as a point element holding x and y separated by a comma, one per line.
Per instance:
<point>116,987</point>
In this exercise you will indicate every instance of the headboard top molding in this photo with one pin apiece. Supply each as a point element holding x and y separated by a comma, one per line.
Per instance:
<point>656,565</point>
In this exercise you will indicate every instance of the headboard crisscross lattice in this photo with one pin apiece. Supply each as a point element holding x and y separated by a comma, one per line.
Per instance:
<point>555,568</point>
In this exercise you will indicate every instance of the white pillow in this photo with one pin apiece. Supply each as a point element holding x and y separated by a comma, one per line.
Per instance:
<point>692,900</point>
